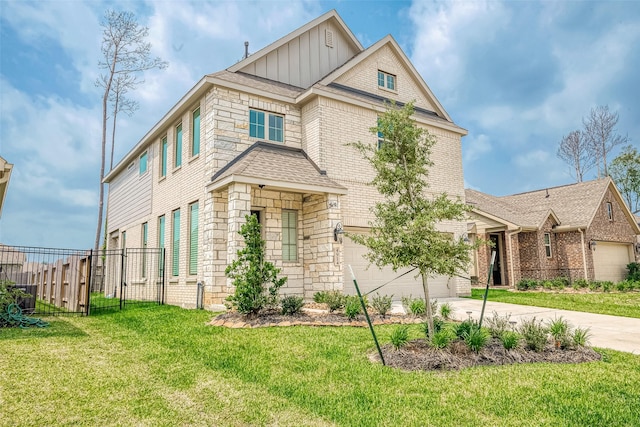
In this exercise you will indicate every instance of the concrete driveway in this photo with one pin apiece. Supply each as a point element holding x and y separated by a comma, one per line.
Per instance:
<point>617,333</point>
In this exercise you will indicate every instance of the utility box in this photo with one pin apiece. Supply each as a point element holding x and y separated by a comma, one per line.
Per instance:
<point>28,303</point>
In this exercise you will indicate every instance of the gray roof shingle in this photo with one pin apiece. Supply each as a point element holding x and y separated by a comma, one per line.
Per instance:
<point>573,204</point>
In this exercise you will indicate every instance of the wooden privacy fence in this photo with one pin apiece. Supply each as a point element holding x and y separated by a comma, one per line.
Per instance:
<point>67,281</point>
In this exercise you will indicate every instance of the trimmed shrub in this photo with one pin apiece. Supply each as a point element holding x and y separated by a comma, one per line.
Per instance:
<point>381,304</point>
<point>527,284</point>
<point>580,284</point>
<point>352,307</point>
<point>633,273</point>
<point>335,300</point>
<point>320,297</point>
<point>291,304</point>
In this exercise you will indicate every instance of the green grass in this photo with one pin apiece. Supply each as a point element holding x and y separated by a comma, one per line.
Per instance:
<point>162,366</point>
<point>625,304</point>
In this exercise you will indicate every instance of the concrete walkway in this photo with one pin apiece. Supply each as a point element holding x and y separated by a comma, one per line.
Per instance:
<point>614,332</point>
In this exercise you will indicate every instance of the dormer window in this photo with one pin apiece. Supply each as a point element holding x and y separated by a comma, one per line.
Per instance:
<point>386,80</point>
<point>274,125</point>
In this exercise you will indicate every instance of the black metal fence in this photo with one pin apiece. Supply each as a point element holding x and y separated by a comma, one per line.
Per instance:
<point>66,281</point>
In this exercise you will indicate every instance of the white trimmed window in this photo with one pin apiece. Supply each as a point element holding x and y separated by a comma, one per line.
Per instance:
<point>289,235</point>
<point>193,238</point>
<point>143,163</point>
<point>547,244</point>
<point>266,126</point>
<point>386,80</point>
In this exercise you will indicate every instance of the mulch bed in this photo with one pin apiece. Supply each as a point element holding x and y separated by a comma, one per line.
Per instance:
<point>269,318</point>
<point>417,355</point>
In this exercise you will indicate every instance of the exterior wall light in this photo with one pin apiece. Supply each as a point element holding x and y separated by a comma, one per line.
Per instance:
<point>337,233</point>
<point>592,245</point>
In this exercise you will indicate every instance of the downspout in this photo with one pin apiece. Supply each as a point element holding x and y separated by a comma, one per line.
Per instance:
<point>584,254</point>
<point>511,272</point>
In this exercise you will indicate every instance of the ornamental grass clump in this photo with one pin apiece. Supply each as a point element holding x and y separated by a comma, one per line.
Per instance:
<point>442,338</point>
<point>560,330</point>
<point>400,336</point>
<point>580,337</point>
<point>510,340</point>
<point>446,310</point>
<point>476,339</point>
<point>352,307</point>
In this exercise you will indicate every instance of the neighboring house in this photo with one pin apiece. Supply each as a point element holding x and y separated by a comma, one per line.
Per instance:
<point>5,175</point>
<point>268,136</point>
<point>578,231</point>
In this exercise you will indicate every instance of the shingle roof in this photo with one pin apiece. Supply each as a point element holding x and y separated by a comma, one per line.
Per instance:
<point>277,163</point>
<point>574,204</point>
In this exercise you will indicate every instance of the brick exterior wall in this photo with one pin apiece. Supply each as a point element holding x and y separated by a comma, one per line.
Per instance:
<point>569,248</point>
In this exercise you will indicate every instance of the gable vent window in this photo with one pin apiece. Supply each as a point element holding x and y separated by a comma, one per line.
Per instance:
<point>609,211</point>
<point>386,80</point>
<point>328,38</point>
<point>547,244</point>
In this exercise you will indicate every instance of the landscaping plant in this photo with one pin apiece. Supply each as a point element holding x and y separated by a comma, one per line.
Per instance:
<point>352,307</point>
<point>381,304</point>
<point>320,297</point>
<point>291,304</point>
<point>404,232</point>
<point>498,325</point>
<point>446,310</point>
<point>580,336</point>
<point>256,281</point>
<point>400,336</point>
<point>534,334</point>
<point>476,339</point>
<point>560,329</point>
<point>442,338</point>
<point>510,340</point>
<point>335,300</point>
<point>464,328</point>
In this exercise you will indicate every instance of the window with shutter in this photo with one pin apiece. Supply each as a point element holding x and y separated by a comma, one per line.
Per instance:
<point>193,238</point>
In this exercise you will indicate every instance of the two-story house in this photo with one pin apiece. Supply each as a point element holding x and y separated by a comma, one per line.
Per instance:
<point>268,136</point>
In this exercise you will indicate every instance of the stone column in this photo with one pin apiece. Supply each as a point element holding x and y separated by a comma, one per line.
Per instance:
<point>239,205</point>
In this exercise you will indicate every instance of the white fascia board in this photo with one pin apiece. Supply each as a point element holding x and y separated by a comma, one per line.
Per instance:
<point>274,184</point>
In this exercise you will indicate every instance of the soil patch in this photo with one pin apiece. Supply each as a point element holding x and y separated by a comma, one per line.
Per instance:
<point>417,355</point>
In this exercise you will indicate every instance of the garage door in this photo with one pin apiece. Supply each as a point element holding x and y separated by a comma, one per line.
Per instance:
<point>610,261</point>
<point>371,278</point>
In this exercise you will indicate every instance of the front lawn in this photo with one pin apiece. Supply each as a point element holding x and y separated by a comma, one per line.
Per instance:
<point>162,365</point>
<point>625,304</point>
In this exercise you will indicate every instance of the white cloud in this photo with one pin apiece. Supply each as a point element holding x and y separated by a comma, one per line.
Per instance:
<point>475,147</point>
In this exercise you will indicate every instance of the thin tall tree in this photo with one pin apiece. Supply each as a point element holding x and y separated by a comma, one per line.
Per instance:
<point>625,172</point>
<point>576,152</point>
<point>404,232</point>
<point>600,132</point>
<point>120,104</point>
<point>125,55</point>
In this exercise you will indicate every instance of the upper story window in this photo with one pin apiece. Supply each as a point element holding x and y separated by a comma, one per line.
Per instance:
<point>195,133</point>
<point>143,163</point>
<point>274,125</point>
<point>610,211</point>
<point>547,244</point>
<point>177,158</point>
<point>386,80</point>
<point>163,157</point>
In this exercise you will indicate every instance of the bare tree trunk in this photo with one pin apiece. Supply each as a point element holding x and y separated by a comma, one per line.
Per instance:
<point>427,300</point>
<point>113,129</point>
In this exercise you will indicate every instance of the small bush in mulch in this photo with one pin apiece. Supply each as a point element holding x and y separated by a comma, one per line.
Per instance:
<point>420,355</point>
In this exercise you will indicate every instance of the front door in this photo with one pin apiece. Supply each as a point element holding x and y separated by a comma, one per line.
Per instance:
<point>497,265</point>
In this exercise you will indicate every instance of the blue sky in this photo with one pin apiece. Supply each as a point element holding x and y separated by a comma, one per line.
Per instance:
<point>518,75</point>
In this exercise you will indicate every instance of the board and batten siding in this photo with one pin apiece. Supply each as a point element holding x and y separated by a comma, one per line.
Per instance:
<point>305,59</point>
<point>129,196</point>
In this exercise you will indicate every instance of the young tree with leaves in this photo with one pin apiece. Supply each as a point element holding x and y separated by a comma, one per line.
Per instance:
<point>625,172</point>
<point>404,233</point>
<point>125,55</point>
<point>255,279</point>
<point>577,153</point>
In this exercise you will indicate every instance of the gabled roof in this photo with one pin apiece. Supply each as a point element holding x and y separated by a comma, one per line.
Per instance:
<point>331,15</point>
<point>391,42</point>
<point>275,166</point>
<point>572,206</point>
